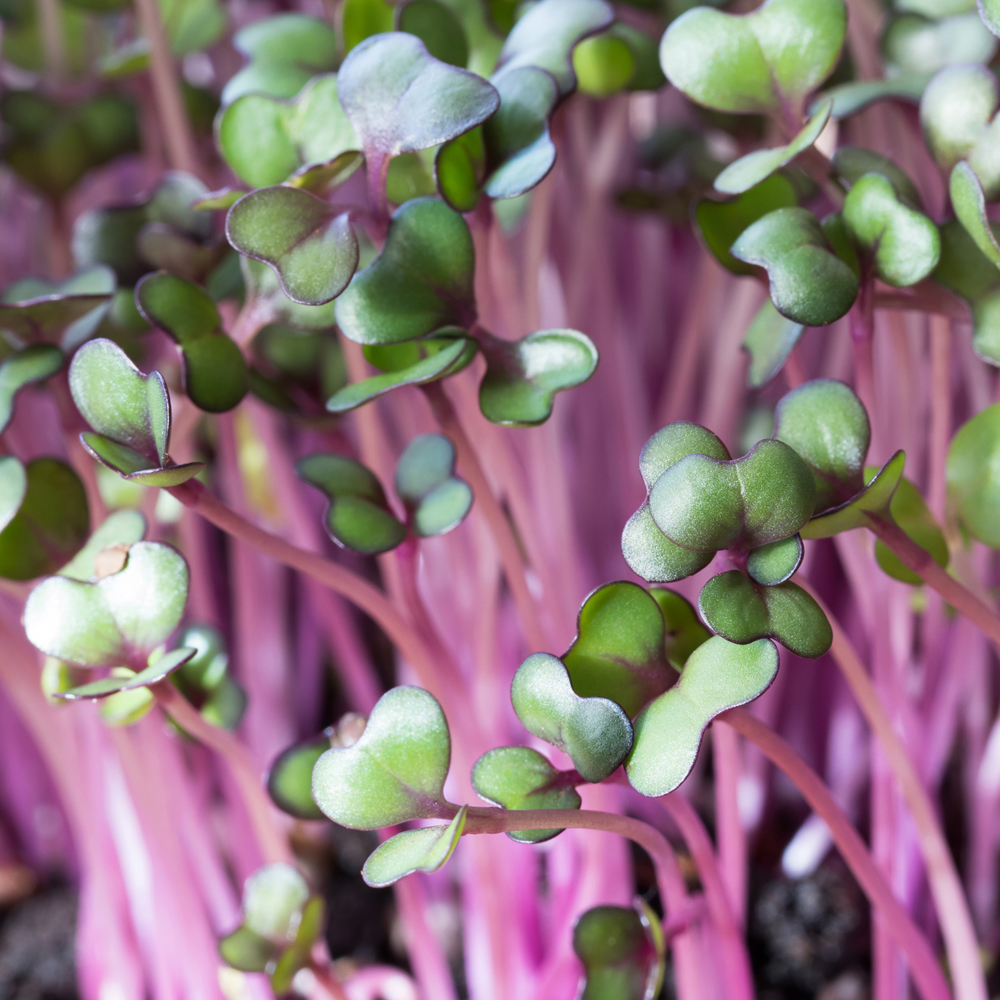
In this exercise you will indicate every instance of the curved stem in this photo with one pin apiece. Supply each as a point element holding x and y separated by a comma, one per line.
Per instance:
<point>922,563</point>
<point>926,972</point>
<point>357,590</point>
<point>510,554</point>
<point>273,844</point>
<point>736,963</point>
<point>945,884</point>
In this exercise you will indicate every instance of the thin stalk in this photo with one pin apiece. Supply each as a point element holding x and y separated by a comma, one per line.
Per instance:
<point>729,830</point>
<point>862,322</point>
<point>328,981</point>
<point>945,885</point>
<point>53,44</point>
<point>181,150</point>
<point>736,963</point>
<point>940,337</point>
<point>356,589</point>
<point>273,844</point>
<point>926,972</point>
<point>922,563</point>
<point>510,554</point>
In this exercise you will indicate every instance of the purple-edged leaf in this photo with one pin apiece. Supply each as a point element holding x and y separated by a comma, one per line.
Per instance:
<point>125,680</point>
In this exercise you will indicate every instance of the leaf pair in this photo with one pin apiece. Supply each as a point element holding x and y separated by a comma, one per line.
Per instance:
<point>359,516</point>
<point>130,414</point>
<point>282,921</point>
<point>623,952</point>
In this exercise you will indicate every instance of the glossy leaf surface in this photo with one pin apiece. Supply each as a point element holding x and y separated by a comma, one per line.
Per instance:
<point>289,782</point>
<point>619,958</point>
<point>395,771</point>
<point>116,621</point>
<point>809,284</point>
<point>521,778</point>
<point>776,562</point>
<point>523,376</point>
<point>44,517</point>
<point>425,849</point>
<point>358,516</point>
<point>620,647</point>
<point>595,732</point>
<point>422,281</point>
<point>754,62</point>
<point>309,243</point>
<point>436,500</point>
<point>719,675</point>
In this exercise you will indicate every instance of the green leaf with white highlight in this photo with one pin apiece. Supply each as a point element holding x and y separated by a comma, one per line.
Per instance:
<point>436,500</point>
<point>118,619</point>
<point>970,206</point>
<point>521,778</point>
<point>622,953</point>
<point>809,284</point>
<point>308,243</point>
<point>775,562</point>
<point>523,376</point>
<point>719,675</point>
<point>395,771</point>
<point>358,515</point>
<point>425,849</point>
<point>595,732</point>
<point>750,170</point>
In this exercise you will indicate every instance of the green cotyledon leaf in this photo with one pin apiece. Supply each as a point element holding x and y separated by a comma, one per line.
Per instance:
<point>648,552</point>
<point>973,482</point>
<point>718,675</point>
<point>116,620</point>
<point>395,771</point>
<point>619,953</point>
<point>808,282</point>
<point>756,62</point>
<point>595,732</point>
<point>912,514</point>
<point>521,778</point>
<point>32,364</point>
<point>358,515</point>
<point>436,500</point>
<point>425,849</point>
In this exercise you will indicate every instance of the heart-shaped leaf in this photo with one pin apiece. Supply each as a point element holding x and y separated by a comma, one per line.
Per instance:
<point>266,140</point>
<point>309,244</point>
<point>521,778</point>
<point>122,679</point>
<point>872,502</point>
<point>33,364</point>
<point>776,562</point>
<point>395,771</point>
<point>422,281</point>
<point>620,650</point>
<point>973,485</point>
<point>595,732</point>
<point>438,27</point>
<point>719,675</point>
<point>619,954</point>
<point>827,425</point>
<point>721,222</point>
<point>706,504</point>
<point>750,170</point>
<point>546,35</point>
<point>285,51</point>
<point>399,98</point>
<point>130,413</point>
<point>912,43</point>
<point>422,850</point>
<point>119,528</point>
<point>742,612</point>
<point>684,631</point>
<point>358,516</point>
<point>856,95</point>
<point>969,202</point>
<point>648,552</point>
<point>769,340</point>
<point>523,376</point>
<point>761,61</point>
<point>215,375</point>
<point>809,284</point>
<point>263,289</point>
<point>912,514</point>
<point>852,162</point>
<point>443,356</point>
<point>44,519</point>
<point>117,621</point>
<point>289,782</point>
<point>75,291</point>
<point>436,500</point>
<point>901,245</point>
<point>956,114</point>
